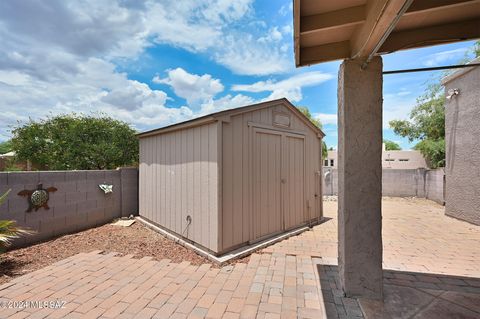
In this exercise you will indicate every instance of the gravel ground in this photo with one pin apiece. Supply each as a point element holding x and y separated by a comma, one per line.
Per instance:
<point>137,240</point>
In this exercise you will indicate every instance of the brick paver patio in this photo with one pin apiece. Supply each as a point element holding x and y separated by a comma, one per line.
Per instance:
<point>417,236</point>
<point>96,285</point>
<point>296,278</point>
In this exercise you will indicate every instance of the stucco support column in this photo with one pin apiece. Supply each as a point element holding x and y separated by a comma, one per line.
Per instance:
<point>360,178</point>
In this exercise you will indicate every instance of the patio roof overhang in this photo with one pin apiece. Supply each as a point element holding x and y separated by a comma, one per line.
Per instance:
<point>359,31</point>
<point>347,29</point>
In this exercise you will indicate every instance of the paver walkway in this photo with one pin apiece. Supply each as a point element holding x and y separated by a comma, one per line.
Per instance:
<point>296,278</point>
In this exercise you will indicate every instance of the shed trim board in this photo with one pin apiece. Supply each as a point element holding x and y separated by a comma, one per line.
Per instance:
<point>220,183</point>
<point>234,177</point>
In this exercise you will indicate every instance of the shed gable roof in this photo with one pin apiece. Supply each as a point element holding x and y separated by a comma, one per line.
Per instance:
<point>230,112</point>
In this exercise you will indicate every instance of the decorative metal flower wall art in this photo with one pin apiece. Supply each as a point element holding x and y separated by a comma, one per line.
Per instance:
<point>37,198</point>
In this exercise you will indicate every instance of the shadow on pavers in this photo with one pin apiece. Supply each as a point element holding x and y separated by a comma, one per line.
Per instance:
<point>406,295</point>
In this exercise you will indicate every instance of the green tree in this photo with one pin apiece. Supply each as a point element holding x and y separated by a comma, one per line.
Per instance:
<point>317,123</point>
<point>324,150</point>
<point>476,49</point>
<point>68,142</point>
<point>391,146</point>
<point>5,147</point>
<point>427,124</point>
<point>307,113</point>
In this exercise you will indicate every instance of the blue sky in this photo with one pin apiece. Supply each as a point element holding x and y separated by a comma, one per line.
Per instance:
<point>153,63</point>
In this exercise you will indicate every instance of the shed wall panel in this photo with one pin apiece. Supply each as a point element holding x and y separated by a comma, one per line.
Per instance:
<point>179,178</point>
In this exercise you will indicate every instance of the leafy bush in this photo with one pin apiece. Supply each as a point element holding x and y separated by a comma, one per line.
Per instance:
<point>76,142</point>
<point>5,147</point>
<point>391,146</point>
<point>433,151</point>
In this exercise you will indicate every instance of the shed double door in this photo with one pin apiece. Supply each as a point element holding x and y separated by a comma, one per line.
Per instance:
<point>278,181</point>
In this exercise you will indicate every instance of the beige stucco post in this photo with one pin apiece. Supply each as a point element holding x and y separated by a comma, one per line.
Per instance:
<point>360,178</point>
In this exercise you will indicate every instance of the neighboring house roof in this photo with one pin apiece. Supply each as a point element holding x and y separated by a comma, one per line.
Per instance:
<point>9,154</point>
<point>230,112</point>
<point>407,159</point>
<point>403,159</point>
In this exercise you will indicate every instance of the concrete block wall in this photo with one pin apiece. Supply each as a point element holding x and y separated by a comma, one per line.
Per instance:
<point>77,204</point>
<point>129,179</point>
<point>403,182</point>
<point>420,182</point>
<point>435,185</point>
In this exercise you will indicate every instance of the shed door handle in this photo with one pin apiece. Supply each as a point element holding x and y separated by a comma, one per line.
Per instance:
<point>283,180</point>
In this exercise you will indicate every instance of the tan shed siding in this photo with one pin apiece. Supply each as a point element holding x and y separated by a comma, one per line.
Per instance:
<point>237,205</point>
<point>179,177</point>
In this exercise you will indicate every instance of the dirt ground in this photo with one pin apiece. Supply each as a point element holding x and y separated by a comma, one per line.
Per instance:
<point>137,240</point>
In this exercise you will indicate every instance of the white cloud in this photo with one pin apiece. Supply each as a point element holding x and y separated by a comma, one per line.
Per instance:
<point>287,29</point>
<point>200,92</point>
<point>227,102</point>
<point>226,10</point>
<point>441,57</point>
<point>273,35</point>
<point>99,88</point>
<point>290,88</point>
<point>286,9</point>
<point>326,118</point>
<point>213,26</point>
<point>243,54</point>
<point>403,93</point>
<point>177,23</point>
<point>398,94</point>
<point>62,56</point>
<point>133,96</point>
<point>194,88</point>
<point>123,29</point>
<point>13,78</point>
<point>397,107</point>
<point>95,88</point>
<point>82,28</point>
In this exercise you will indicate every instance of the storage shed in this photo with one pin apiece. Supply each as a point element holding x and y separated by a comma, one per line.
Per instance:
<point>234,177</point>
